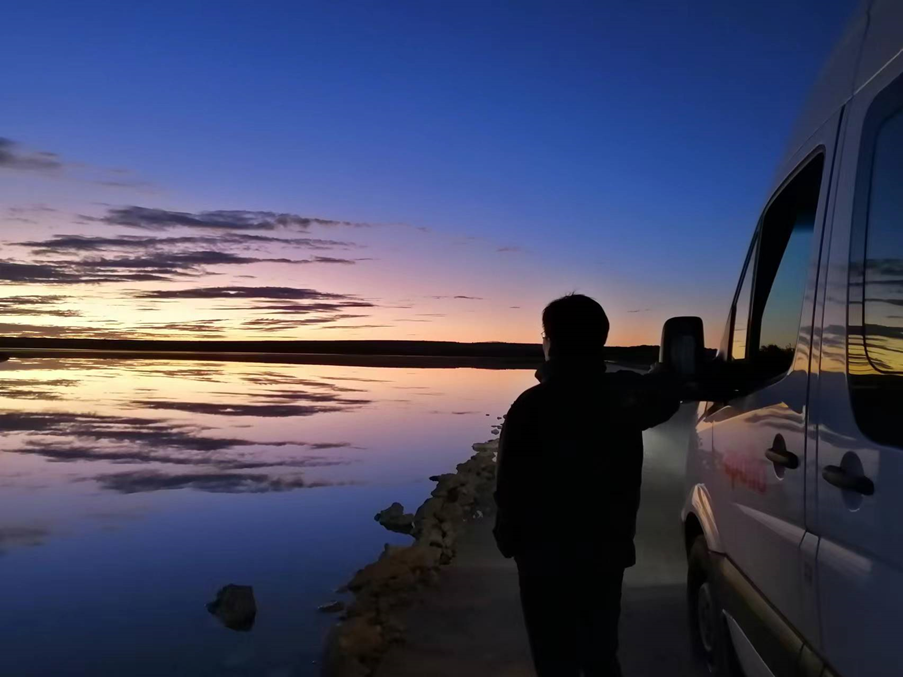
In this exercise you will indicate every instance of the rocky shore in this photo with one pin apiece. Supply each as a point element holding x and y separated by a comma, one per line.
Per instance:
<point>371,623</point>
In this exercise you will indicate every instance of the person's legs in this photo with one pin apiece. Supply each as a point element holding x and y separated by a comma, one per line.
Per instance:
<point>550,617</point>
<point>598,629</point>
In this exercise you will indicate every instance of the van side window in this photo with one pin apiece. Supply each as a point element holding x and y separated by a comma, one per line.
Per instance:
<point>875,331</point>
<point>787,232</point>
<point>741,306</point>
<point>770,301</point>
<point>883,290</point>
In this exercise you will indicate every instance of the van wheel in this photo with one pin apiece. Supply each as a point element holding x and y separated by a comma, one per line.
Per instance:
<point>708,632</point>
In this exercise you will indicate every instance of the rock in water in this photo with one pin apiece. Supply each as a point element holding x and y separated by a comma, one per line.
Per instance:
<point>395,519</point>
<point>331,607</point>
<point>235,607</point>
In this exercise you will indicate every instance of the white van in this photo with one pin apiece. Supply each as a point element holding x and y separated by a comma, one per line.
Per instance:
<point>794,509</point>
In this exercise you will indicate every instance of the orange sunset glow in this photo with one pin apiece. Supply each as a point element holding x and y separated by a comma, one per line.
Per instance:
<point>141,272</point>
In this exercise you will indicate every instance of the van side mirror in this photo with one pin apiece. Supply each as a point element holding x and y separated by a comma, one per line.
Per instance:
<point>683,346</point>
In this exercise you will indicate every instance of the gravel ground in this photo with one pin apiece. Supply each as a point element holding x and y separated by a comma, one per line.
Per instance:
<point>469,625</point>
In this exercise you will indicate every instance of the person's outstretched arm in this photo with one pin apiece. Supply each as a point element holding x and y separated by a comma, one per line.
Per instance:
<point>651,399</point>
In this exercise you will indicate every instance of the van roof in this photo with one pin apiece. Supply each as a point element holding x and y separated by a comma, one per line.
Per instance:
<point>872,39</point>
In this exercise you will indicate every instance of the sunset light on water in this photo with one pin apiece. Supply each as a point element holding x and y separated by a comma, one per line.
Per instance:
<point>149,485</point>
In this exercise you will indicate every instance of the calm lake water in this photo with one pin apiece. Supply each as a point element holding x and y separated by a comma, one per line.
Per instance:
<point>131,491</point>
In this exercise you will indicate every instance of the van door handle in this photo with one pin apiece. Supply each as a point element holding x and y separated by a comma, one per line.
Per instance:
<point>779,455</point>
<point>783,457</point>
<point>839,477</point>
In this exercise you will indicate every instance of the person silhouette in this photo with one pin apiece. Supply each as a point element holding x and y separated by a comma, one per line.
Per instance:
<point>568,489</point>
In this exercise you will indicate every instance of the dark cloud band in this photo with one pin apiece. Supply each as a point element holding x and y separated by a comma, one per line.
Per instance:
<point>150,218</point>
<point>12,157</point>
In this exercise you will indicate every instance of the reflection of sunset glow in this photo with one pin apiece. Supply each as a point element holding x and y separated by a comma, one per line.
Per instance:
<point>319,423</point>
<point>185,475</point>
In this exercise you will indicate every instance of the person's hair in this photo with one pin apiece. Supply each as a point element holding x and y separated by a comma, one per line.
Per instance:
<point>576,326</point>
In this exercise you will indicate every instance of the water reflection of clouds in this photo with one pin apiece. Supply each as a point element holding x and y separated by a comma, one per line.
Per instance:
<point>305,398</point>
<point>139,481</point>
<point>211,462</point>
<point>61,436</point>
<point>56,452</point>
<point>238,409</point>
<point>276,379</point>
<point>106,455</point>
<point>14,536</point>
<point>50,365</point>
<point>358,379</point>
<point>125,426</point>
<point>212,373</point>
<point>35,389</point>
<point>146,432</point>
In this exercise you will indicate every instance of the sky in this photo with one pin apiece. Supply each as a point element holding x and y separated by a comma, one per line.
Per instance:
<point>395,170</point>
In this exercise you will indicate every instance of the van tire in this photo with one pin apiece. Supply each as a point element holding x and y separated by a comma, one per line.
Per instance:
<point>709,635</point>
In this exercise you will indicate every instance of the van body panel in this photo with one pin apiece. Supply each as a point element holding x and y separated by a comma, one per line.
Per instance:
<point>833,87</point>
<point>761,514</point>
<point>760,506</point>
<point>700,464</point>
<point>860,556</point>
<point>699,504</point>
<point>811,465</point>
<point>882,43</point>
<point>776,643</point>
<point>810,623</point>
<point>750,660</point>
<point>860,612</point>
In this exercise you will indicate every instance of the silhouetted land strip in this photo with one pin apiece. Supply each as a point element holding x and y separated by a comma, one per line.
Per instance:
<point>488,355</point>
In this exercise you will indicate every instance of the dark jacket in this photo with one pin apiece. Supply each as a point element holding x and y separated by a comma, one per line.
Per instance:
<point>571,461</point>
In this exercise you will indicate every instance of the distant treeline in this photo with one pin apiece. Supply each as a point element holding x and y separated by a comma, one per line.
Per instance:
<point>521,352</point>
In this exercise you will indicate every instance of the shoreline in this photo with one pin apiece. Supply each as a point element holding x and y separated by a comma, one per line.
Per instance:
<point>326,359</point>
<point>319,359</point>
<point>384,589</point>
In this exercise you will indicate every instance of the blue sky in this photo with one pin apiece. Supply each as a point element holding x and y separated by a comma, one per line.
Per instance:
<point>620,149</point>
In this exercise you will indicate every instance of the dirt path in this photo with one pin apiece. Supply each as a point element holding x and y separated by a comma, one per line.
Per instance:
<point>470,625</point>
